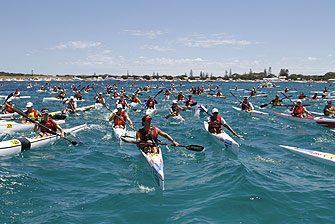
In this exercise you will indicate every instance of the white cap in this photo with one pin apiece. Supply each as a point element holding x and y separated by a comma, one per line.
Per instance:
<point>72,98</point>
<point>100,93</point>
<point>175,102</point>
<point>215,110</point>
<point>299,101</point>
<point>119,106</point>
<point>29,104</point>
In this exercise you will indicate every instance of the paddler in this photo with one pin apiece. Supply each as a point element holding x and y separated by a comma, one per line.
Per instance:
<point>99,98</point>
<point>120,117</point>
<point>286,90</point>
<point>315,96</point>
<point>167,92</point>
<point>215,122</point>
<point>175,109</point>
<point>134,99</point>
<point>253,92</point>
<point>115,94</point>
<point>31,113</point>
<point>17,93</point>
<point>150,104</point>
<point>71,105</point>
<point>180,96</point>
<point>55,89</point>
<point>43,88</point>
<point>8,107</point>
<point>246,105</point>
<point>61,95</point>
<point>78,95</point>
<point>147,136</point>
<point>219,93</point>
<point>276,101</point>
<point>122,101</point>
<point>302,96</point>
<point>50,125</point>
<point>122,90</point>
<point>299,110</point>
<point>189,102</point>
<point>329,110</point>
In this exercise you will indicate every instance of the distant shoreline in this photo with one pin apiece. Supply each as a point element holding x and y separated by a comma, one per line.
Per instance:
<point>183,78</point>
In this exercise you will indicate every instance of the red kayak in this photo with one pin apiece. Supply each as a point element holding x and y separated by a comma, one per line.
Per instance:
<point>326,122</point>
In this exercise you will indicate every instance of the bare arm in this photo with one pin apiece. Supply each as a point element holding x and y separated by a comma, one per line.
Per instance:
<point>60,129</point>
<point>230,129</point>
<point>166,136</point>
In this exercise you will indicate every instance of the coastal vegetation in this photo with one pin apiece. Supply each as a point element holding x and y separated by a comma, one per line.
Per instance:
<point>252,76</point>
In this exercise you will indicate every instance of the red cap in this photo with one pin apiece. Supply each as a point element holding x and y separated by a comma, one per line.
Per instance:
<point>146,117</point>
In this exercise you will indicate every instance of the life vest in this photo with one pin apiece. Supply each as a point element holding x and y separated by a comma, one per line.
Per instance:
<point>117,121</point>
<point>298,110</point>
<point>301,96</point>
<point>133,99</point>
<point>123,102</point>
<point>175,109</point>
<point>71,104</point>
<point>9,109</point>
<point>252,93</point>
<point>151,103</point>
<point>55,89</point>
<point>116,94</point>
<point>167,93</point>
<point>32,115</point>
<point>49,124</point>
<point>331,108</point>
<point>75,89</point>
<point>194,91</point>
<point>189,102</point>
<point>180,97</point>
<point>276,102</point>
<point>245,105</point>
<point>217,125</point>
<point>99,99</point>
<point>315,97</point>
<point>144,136</point>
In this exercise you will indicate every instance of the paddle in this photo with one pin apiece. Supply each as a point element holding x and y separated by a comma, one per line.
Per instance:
<point>17,110</point>
<point>288,98</point>
<point>241,102</point>
<point>159,92</point>
<point>206,111</point>
<point>192,147</point>
<point>9,96</point>
<point>117,116</point>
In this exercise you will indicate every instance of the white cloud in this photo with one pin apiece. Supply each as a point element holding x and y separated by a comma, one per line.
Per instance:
<point>100,58</point>
<point>75,45</point>
<point>312,58</point>
<point>151,34</point>
<point>156,48</point>
<point>330,55</point>
<point>167,61</point>
<point>207,41</point>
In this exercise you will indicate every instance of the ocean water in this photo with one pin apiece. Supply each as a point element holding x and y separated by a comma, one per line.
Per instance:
<point>105,181</point>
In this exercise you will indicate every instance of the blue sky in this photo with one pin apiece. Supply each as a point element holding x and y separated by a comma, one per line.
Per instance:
<point>168,37</point>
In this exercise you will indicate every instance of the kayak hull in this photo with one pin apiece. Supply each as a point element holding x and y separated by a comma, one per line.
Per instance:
<point>224,139</point>
<point>326,122</point>
<point>255,113</point>
<point>8,126</point>
<point>156,167</point>
<point>322,157</point>
<point>16,146</point>
<point>150,111</point>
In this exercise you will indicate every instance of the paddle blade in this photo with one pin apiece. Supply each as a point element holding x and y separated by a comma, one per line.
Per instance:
<point>264,105</point>
<point>197,148</point>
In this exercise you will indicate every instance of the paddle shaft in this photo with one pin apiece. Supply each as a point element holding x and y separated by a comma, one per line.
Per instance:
<point>117,116</point>
<point>17,110</point>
